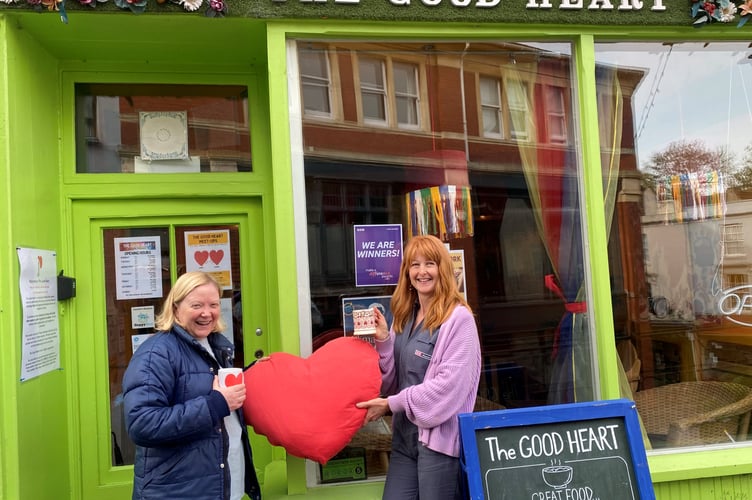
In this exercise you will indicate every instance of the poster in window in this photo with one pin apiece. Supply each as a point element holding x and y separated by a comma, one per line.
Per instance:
<point>458,266</point>
<point>351,305</point>
<point>209,251</point>
<point>138,267</point>
<point>378,254</point>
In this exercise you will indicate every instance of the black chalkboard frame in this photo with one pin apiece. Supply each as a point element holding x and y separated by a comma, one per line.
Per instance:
<point>573,412</point>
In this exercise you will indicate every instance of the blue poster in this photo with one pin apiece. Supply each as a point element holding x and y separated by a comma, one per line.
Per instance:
<point>378,254</point>
<point>349,304</point>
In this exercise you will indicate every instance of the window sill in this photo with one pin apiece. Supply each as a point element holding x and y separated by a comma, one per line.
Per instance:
<point>697,463</point>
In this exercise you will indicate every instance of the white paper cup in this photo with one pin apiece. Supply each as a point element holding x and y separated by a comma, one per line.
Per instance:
<point>230,376</point>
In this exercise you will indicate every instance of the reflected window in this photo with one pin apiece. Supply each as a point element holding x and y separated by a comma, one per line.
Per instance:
<point>677,254</point>
<point>517,100</point>
<point>373,89</point>
<point>733,239</point>
<point>556,119</point>
<point>509,210</point>
<point>140,128</point>
<point>314,80</point>
<point>490,103</point>
<point>406,93</point>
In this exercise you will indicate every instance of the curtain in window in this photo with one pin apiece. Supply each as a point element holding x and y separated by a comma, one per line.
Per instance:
<point>551,175</point>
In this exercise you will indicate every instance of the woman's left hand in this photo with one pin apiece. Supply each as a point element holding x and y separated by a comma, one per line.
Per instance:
<point>234,395</point>
<point>377,408</point>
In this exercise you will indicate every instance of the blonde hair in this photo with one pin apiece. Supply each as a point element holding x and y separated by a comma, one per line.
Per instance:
<point>183,286</point>
<point>446,295</point>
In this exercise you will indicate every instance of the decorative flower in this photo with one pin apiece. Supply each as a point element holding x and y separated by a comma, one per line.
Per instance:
<point>709,11</point>
<point>728,13</point>
<point>218,8</point>
<point>135,6</point>
<point>746,8</point>
<point>51,4</point>
<point>191,5</point>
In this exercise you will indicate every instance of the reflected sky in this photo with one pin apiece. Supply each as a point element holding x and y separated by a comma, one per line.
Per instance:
<point>691,91</point>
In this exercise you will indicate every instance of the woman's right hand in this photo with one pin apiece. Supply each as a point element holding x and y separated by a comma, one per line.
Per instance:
<point>234,395</point>
<point>382,329</point>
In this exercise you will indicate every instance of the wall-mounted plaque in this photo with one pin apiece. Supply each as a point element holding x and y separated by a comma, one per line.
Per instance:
<point>164,135</point>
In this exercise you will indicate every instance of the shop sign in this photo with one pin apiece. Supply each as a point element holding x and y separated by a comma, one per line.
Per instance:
<point>736,302</point>
<point>627,5</point>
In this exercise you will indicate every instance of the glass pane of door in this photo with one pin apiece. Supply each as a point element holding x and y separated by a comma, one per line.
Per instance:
<point>137,279</point>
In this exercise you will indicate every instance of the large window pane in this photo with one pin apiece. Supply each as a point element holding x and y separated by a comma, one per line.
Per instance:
<point>162,128</point>
<point>679,175</point>
<point>511,206</point>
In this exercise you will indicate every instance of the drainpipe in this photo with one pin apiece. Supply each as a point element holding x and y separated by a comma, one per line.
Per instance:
<point>464,110</point>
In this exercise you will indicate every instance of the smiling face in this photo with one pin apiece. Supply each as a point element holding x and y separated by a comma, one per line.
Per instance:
<point>424,273</point>
<point>197,313</point>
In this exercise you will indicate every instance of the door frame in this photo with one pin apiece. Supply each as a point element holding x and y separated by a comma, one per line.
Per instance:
<point>91,443</point>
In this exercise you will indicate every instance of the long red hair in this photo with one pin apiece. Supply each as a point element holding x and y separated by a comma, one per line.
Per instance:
<point>446,294</point>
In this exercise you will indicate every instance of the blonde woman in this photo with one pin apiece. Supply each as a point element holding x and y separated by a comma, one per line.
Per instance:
<point>191,439</point>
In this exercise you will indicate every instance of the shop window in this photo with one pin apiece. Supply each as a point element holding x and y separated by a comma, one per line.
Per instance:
<point>140,128</point>
<point>490,104</point>
<point>315,83</point>
<point>677,176</point>
<point>514,214</point>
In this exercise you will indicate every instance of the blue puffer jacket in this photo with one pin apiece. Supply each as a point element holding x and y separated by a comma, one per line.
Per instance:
<point>177,420</point>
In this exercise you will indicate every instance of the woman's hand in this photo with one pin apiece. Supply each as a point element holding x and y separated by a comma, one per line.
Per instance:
<point>377,408</point>
<point>382,329</point>
<point>234,395</point>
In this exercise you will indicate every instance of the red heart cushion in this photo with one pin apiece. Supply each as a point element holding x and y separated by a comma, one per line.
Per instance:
<point>307,405</point>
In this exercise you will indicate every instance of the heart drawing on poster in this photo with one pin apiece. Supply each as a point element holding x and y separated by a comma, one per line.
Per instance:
<point>307,405</point>
<point>201,256</point>
<point>216,256</point>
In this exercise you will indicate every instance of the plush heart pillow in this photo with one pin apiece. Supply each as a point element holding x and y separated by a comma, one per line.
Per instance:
<point>307,405</point>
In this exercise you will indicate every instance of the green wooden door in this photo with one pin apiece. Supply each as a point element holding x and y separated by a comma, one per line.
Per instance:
<point>127,254</point>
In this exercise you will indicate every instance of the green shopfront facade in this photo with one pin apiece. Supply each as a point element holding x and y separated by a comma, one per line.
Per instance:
<point>588,162</point>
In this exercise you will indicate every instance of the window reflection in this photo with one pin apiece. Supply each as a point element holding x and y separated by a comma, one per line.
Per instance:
<point>111,131</point>
<point>679,246</point>
<point>491,120</point>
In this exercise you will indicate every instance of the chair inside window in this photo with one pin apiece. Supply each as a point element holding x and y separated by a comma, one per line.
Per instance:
<point>695,413</point>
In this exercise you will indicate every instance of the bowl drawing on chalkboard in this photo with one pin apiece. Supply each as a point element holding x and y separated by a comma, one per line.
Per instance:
<point>557,476</point>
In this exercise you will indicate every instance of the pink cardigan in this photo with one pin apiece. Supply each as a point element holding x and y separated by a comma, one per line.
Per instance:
<point>449,387</point>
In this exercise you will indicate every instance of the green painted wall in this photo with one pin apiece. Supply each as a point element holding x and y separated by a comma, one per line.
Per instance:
<point>35,426</point>
<point>8,448</point>
<point>38,430</point>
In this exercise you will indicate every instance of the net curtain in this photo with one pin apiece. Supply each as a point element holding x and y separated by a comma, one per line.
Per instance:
<point>551,175</point>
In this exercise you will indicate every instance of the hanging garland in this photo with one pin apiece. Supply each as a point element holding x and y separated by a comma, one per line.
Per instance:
<point>215,8</point>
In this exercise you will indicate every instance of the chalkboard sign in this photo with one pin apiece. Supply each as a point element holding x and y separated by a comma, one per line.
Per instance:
<point>579,451</point>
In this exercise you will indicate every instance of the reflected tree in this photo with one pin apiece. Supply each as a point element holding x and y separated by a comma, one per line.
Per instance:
<point>693,156</point>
